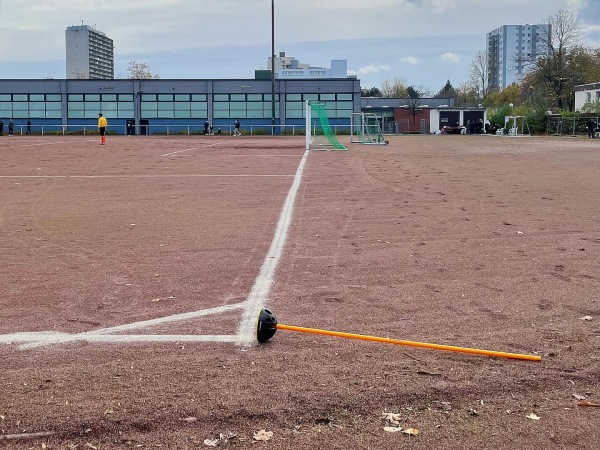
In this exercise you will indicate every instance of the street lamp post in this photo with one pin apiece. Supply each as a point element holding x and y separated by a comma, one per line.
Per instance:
<point>272,66</point>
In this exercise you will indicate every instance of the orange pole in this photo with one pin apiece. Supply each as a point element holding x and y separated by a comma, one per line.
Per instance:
<point>450,348</point>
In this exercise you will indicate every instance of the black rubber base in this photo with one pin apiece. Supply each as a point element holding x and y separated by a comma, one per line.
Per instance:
<point>266,326</point>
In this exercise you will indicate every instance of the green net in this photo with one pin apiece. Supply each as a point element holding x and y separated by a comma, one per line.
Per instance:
<point>322,135</point>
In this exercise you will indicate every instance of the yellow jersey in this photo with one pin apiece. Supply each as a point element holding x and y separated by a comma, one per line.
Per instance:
<point>102,122</point>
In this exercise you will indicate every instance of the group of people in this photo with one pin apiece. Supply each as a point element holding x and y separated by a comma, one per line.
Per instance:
<point>11,127</point>
<point>103,123</point>
<point>208,128</point>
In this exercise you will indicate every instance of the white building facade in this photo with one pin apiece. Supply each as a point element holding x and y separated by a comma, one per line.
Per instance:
<point>289,68</point>
<point>90,53</point>
<point>512,50</point>
<point>586,93</point>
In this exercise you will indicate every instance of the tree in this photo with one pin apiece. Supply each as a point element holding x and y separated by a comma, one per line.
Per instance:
<point>372,92</point>
<point>413,100</point>
<point>447,91</point>
<point>479,73</point>
<point>140,71</point>
<point>556,69</point>
<point>467,95</point>
<point>510,94</point>
<point>395,88</point>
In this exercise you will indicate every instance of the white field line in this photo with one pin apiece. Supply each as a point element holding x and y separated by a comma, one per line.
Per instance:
<point>30,339</point>
<point>262,285</point>
<point>189,175</point>
<point>42,339</point>
<point>246,334</point>
<point>189,149</point>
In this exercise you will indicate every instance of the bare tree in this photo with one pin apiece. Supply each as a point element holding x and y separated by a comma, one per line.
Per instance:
<point>140,71</point>
<point>395,88</point>
<point>563,35</point>
<point>479,73</point>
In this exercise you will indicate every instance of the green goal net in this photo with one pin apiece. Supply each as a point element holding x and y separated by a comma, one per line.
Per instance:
<point>319,134</point>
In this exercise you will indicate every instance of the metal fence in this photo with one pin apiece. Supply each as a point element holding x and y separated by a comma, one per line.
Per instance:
<point>573,126</point>
<point>87,129</point>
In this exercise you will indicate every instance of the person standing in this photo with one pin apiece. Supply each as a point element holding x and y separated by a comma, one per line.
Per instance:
<point>236,128</point>
<point>28,127</point>
<point>11,127</point>
<point>102,123</point>
<point>206,125</point>
<point>590,128</point>
<point>129,128</point>
<point>1,128</point>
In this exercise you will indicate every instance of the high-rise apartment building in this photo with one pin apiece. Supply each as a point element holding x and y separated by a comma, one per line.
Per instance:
<point>512,50</point>
<point>90,53</point>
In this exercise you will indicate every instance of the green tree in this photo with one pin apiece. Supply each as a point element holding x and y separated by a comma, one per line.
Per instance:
<point>447,91</point>
<point>372,92</point>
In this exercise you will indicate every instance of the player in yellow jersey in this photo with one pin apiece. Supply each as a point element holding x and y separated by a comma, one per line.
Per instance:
<point>102,128</point>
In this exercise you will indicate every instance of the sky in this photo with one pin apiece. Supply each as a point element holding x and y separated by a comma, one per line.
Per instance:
<point>423,42</point>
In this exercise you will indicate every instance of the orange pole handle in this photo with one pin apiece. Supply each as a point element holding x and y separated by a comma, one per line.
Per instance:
<point>450,348</point>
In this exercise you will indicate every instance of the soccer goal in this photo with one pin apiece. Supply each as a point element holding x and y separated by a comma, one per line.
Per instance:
<point>319,134</point>
<point>365,129</point>
<point>516,126</point>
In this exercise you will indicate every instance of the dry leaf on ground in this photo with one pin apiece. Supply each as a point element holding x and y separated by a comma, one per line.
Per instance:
<point>190,419</point>
<point>533,416</point>
<point>411,431</point>
<point>392,429</point>
<point>586,318</point>
<point>211,442</point>
<point>262,435</point>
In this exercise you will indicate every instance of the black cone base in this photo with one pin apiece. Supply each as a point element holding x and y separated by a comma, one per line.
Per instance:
<point>266,326</point>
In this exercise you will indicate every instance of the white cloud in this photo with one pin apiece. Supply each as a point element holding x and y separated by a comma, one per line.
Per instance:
<point>450,57</point>
<point>410,60</point>
<point>370,68</point>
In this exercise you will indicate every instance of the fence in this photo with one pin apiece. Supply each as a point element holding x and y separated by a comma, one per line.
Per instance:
<point>290,130</point>
<point>558,125</point>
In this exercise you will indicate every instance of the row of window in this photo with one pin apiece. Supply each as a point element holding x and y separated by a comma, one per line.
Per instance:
<point>168,106</point>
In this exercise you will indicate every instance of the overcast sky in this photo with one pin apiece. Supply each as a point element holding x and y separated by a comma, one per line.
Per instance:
<point>425,42</point>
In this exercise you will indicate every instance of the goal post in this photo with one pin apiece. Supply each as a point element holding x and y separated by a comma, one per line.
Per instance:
<point>366,129</point>
<point>319,134</point>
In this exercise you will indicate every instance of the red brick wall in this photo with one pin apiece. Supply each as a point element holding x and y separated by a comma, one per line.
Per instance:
<point>407,123</point>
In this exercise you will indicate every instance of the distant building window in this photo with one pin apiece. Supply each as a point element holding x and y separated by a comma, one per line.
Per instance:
<point>588,97</point>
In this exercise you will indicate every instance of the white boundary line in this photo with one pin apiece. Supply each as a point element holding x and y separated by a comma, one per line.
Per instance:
<point>246,334</point>
<point>262,285</point>
<point>188,175</point>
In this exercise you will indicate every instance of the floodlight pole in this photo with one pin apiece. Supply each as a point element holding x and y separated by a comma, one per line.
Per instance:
<point>272,66</point>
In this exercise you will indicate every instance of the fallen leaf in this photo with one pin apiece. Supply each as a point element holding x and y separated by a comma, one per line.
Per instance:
<point>411,431</point>
<point>578,397</point>
<point>211,442</point>
<point>587,403</point>
<point>586,318</point>
<point>190,419</point>
<point>88,445</point>
<point>262,435</point>
<point>392,429</point>
<point>532,416</point>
